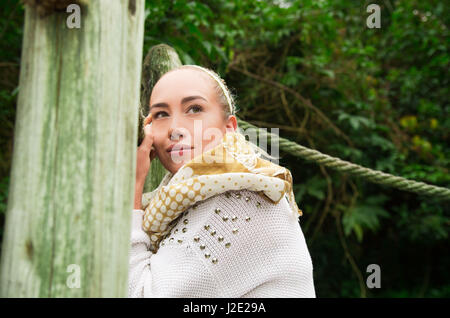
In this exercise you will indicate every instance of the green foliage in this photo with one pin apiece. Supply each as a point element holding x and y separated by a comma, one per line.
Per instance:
<point>364,216</point>
<point>11,30</point>
<point>313,187</point>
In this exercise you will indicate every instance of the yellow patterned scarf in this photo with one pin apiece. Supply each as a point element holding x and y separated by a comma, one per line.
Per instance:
<point>231,165</point>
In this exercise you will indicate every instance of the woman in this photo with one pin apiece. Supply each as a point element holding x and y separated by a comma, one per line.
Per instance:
<point>223,222</point>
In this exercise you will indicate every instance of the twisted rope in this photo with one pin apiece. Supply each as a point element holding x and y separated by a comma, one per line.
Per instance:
<point>351,168</point>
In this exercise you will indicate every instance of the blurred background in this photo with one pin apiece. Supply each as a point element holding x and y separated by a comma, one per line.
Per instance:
<point>385,90</point>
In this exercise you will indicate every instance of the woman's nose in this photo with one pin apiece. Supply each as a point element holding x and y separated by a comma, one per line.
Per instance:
<point>177,129</point>
<point>175,133</point>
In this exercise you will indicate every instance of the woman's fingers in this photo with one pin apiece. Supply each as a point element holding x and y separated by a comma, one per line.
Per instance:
<point>147,142</point>
<point>152,154</point>
<point>148,119</point>
<point>144,152</point>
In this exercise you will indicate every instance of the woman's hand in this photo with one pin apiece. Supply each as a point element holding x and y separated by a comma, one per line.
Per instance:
<point>145,154</point>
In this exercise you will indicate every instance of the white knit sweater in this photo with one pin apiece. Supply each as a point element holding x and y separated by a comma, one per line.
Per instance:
<point>244,249</point>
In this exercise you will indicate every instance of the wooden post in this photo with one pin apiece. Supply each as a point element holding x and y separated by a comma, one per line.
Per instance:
<point>68,218</point>
<point>159,60</point>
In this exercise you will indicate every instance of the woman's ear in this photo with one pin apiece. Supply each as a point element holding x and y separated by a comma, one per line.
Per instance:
<point>231,124</point>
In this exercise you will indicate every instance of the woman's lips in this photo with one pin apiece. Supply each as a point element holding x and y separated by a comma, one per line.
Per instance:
<point>181,151</point>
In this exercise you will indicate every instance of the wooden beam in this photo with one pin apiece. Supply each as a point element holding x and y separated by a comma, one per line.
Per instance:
<point>73,169</point>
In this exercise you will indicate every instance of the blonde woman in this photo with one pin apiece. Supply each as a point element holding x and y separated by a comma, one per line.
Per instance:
<point>223,222</point>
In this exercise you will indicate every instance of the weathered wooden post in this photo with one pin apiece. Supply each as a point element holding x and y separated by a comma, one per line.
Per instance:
<point>73,172</point>
<point>159,60</point>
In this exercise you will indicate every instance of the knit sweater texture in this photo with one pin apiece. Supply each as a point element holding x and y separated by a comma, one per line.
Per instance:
<point>233,245</point>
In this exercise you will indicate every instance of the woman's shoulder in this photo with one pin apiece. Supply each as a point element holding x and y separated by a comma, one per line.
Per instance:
<point>246,205</point>
<point>235,216</point>
<point>239,203</point>
<point>240,214</point>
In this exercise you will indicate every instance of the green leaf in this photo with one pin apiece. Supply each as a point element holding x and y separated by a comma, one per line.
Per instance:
<point>359,232</point>
<point>364,216</point>
<point>207,47</point>
<point>317,193</point>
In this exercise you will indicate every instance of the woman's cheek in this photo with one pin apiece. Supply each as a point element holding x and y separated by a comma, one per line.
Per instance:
<point>212,138</point>
<point>159,151</point>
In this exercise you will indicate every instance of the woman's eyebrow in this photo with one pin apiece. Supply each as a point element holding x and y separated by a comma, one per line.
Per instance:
<point>159,105</point>
<point>183,101</point>
<point>189,98</point>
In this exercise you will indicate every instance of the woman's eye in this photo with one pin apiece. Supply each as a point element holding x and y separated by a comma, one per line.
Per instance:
<point>158,113</point>
<point>196,108</point>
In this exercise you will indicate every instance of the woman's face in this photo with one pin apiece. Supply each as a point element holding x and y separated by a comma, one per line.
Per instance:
<point>187,118</point>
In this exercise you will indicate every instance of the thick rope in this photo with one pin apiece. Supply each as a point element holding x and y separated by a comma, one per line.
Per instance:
<point>351,168</point>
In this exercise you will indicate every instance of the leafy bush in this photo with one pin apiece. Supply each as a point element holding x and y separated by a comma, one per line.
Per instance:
<point>376,97</point>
